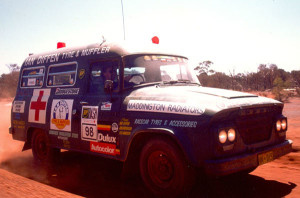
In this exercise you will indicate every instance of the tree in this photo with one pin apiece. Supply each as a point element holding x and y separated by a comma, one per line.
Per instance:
<point>9,82</point>
<point>204,68</point>
<point>13,67</point>
<point>267,77</point>
<point>278,89</point>
<point>296,77</point>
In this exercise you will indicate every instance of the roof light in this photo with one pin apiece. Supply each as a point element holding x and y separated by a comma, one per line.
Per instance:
<point>61,45</point>
<point>155,40</point>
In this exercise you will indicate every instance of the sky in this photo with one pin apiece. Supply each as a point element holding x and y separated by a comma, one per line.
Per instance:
<point>236,35</point>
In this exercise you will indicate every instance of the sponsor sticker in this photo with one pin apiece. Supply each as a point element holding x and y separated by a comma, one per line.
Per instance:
<point>104,127</point>
<point>165,107</point>
<point>38,106</point>
<point>185,124</point>
<point>67,91</point>
<point>147,58</point>
<point>33,72</point>
<point>51,132</point>
<point>125,128</point>
<point>66,143</point>
<point>114,127</point>
<point>18,106</point>
<point>17,116</point>
<point>81,73</point>
<point>106,138</point>
<point>173,123</point>
<point>142,121</point>
<point>63,134</point>
<point>106,106</point>
<point>31,81</point>
<point>104,148</point>
<point>89,118</point>
<point>89,132</point>
<point>61,115</point>
<point>19,124</point>
<point>89,114</point>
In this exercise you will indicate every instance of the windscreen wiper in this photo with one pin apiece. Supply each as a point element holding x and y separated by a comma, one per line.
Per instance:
<point>171,82</point>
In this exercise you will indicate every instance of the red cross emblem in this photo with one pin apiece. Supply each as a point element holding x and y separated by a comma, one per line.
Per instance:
<point>38,105</point>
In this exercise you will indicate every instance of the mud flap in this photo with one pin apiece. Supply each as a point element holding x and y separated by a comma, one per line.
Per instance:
<point>130,168</point>
<point>26,146</point>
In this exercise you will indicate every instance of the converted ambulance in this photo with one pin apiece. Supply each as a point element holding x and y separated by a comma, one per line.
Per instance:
<point>146,109</point>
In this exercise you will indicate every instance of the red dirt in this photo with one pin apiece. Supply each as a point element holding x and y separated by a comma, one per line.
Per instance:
<point>87,176</point>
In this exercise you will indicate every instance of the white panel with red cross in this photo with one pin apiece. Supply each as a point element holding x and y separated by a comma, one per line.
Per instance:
<point>38,106</point>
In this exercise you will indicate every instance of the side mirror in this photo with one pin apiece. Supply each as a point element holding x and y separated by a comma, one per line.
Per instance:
<point>108,86</point>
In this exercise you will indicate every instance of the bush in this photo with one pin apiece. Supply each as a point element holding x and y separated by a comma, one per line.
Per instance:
<point>8,84</point>
<point>280,95</point>
<point>298,92</point>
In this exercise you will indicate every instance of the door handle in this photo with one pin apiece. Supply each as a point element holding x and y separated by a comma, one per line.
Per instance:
<point>84,103</point>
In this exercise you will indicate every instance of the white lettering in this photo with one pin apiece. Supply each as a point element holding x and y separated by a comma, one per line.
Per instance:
<point>29,61</point>
<point>107,138</point>
<point>156,122</point>
<point>141,121</point>
<point>165,107</point>
<point>102,149</point>
<point>180,123</point>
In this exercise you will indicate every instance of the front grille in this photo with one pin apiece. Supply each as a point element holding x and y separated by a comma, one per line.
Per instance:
<point>255,130</point>
<point>255,124</point>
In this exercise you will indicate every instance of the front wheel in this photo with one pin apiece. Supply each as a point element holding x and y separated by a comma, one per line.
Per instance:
<point>41,150</point>
<point>164,169</point>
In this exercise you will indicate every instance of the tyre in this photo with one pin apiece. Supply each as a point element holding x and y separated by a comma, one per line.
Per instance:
<point>42,152</point>
<point>164,169</point>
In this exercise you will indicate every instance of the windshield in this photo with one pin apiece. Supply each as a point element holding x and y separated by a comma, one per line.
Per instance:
<point>153,68</point>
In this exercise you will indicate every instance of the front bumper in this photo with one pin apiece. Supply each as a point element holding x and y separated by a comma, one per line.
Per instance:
<point>242,162</point>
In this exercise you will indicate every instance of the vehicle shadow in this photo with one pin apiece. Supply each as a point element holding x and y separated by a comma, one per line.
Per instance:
<point>91,176</point>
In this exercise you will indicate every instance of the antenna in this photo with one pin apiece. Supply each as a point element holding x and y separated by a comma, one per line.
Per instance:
<point>103,40</point>
<point>123,19</point>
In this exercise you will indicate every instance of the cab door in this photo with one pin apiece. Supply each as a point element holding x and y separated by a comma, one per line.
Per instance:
<point>100,110</point>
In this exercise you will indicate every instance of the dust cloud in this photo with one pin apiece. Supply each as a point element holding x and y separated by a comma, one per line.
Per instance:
<point>8,147</point>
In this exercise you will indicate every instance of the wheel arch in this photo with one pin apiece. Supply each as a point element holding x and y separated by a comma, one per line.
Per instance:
<point>29,133</point>
<point>140,138</point>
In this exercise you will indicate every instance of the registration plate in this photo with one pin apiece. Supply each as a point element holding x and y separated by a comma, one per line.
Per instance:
<point>265,157</point>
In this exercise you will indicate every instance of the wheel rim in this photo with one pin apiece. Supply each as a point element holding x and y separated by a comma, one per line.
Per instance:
<point>160,169</point>
<point>40,145</point>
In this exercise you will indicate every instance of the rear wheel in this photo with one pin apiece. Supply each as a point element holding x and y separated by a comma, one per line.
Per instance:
<point>41,150</point>
<point>164,169</point>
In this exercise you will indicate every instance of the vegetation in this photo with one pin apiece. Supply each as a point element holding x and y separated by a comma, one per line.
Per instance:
<point>267,78</point>
<point>9,82</point>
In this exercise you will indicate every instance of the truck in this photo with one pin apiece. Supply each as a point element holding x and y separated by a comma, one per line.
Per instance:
<point>146,109</point>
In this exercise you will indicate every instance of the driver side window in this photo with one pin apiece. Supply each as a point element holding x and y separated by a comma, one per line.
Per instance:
<point>100,72</point>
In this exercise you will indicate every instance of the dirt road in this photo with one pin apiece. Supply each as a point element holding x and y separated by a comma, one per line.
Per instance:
<point>87,176</point>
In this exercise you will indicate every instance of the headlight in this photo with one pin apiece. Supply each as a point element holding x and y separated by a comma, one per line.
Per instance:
<point>278,125</point>
<point>283,124</point>
<point>222,136</point>
<point>231,135</point>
